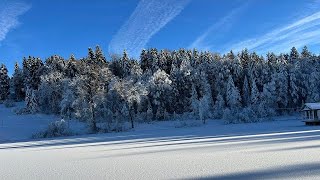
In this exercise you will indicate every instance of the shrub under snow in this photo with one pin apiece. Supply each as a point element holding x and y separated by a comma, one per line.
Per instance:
<point>55,129</point>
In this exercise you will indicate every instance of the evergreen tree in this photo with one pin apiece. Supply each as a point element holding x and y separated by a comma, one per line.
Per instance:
<point>233,96</point>
<point>17,83</point>
<point>31,101</point>
<point>294,55</point>
<point>125,64</point>
<point>91,58</point>
<point>305,52</point>
<point>159,89</point>
<point>219,106</point>
<point>254,97</point>
<point>32,69</point>
<point>4,83</point>
<point>246,92</point>
<point>100,58</point>
<point>71,69</point>
<point>144,60</point>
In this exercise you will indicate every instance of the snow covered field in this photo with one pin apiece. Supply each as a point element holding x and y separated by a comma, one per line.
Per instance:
<point>21,127</point>
<point>282,149</point>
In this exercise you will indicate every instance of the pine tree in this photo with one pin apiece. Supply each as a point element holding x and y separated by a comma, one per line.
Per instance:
<point>294,55</point>
<point>244,59</point>
<point>91,58</point>
<point>233,96</point>
<point>32,104</point>
<point>195,101</point>
<point>246,92</point>
<point>17,83</point>
<point>125,64</point>
<point>159,88</point>
<point>204,104</point>
<point>4,83</point>
<point>254,97</point>
<point>32,69</point>
<point>100,58</point>
<point>66,104</point>
<point>71,69</point>
<point>144,60</point>
<point>219,106</point>
<point>50,92</point>
<point>87,86</point>
<point>305,52</point>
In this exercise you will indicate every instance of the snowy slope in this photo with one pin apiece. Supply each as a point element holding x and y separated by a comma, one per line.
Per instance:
<point>282,149</point>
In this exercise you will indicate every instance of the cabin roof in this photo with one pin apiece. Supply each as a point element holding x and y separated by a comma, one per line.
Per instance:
<point>311,106</point>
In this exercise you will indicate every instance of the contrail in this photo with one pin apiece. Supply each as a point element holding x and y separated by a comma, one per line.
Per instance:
<point>147,19</point>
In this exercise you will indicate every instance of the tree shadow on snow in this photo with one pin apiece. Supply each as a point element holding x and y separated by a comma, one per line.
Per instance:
<point>292,171</point>
<point>145,141</point>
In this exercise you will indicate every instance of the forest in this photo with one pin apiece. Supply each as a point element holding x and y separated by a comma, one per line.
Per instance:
<point>163,85</point>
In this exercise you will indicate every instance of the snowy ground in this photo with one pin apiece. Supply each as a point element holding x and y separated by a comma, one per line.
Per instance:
<point>21,127</point>
<point>282,149</point>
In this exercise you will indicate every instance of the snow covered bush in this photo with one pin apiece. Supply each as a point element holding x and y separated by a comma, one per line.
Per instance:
<point>55,129</point>
<point>247,115</point>
<point>230,116</point>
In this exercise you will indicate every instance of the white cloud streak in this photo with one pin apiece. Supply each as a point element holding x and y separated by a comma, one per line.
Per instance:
<point>304,31</point>
<point>9,13</point>
<point>202,42</point>
<point>149,17</point>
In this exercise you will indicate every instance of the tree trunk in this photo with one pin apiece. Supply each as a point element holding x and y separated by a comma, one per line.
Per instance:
<point>93,119</point>
<point>131,119</point>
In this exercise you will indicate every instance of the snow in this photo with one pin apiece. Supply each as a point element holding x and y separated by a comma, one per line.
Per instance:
<point>21,127</point>
<point>315,106</point>
<point>282,149</point>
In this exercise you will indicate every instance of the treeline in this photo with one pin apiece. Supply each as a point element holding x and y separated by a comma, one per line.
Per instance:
<point>164,84</point>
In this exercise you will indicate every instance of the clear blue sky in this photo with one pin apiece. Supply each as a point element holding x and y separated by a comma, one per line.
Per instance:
<point>43,28</point>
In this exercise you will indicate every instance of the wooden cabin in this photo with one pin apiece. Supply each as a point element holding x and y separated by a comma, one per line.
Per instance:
<point>311,113</point>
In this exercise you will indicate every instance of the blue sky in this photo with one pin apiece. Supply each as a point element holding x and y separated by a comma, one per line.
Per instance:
<point>43,28</point>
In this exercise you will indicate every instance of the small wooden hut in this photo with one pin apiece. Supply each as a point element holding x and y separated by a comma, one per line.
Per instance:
<point>311,113</point>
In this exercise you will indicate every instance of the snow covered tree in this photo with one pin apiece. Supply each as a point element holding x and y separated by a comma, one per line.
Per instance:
<point>144,61</point>
<point>87,88</point>
<point>294,55</point>
<point>305,53</point>
<point>219,106</point>
<point>159,89</point>
<point>204,107</point>
<point>244,59</point>
<point>293,89</point>
<point>68,98</point>
<point>125,64</point>
<point>71,69</point>
<point>91,58</point>
<point>18,83</point>
<point>281,81</point>
<point>233,97</point>
<point>32,104</point>
<point>32,69</point>
<point>182,79</point>
<point>268,100</point>
<point>246,92</point>
<point>4,83</point>
<point>100,58</point>
<point>50,92</point>
<point>254,97</point>
<point>134,95</point>
<point>195,101</point>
